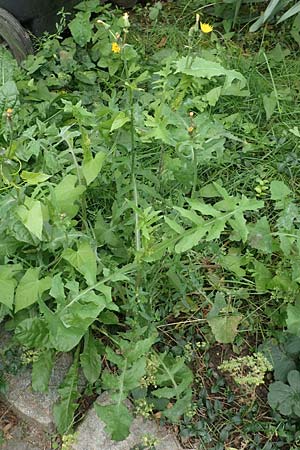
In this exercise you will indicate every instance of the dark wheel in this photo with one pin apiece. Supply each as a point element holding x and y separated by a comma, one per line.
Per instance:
<point>13,35</point>
<point>125,3</point>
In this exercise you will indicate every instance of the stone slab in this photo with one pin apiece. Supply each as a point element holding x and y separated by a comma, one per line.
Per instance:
<point>90,434</point>
<point>35,406</point>
<point>18,445</point>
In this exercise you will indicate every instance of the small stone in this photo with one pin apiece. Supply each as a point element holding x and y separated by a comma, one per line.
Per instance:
<point>35,406</point>
<point>90,434</point>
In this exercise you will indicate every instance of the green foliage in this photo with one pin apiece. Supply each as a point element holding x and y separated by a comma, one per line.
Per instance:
<point>138,192</point>
<point>285,397</point>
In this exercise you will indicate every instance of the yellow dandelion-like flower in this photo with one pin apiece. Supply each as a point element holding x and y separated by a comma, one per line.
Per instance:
<point>9,113</point>
<point>190,129</point>
<point>115,48</point>
<point>206,28</point>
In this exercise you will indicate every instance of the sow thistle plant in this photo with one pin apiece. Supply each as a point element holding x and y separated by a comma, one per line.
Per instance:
<point>100,197</point>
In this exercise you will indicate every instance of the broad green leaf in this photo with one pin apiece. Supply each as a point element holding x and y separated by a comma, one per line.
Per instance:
<point>260,236</point>
<point>238,224</point>
<point>119,121</point>
<point>67,194</point>
<point>64,410</point>
<point>84,260</point>
<point>281,361</point>
<point>232,261</point>
<point>81,28</point>
<point>295,9</point>
<point>81,313</point>
<point>213,95</point>
<point>90,359</point>
<point>8,284</point>
<point>92,167</point>
<point>189,240</point>
<point>204,208</point>
<point>269,12</point>
<point>203,68</point>
<point>262,276</point>
<point>180,407</point>
<point>225,327</point>
<point>32,178</point>
<point>30,288</point>
<point>117,418</point>
<point>8,95</point>
<point>270,103</point>
<point>216,228</point>
<point>285,398</point>
<point>32,216</point>
<point>41,371</point>
<point>174,225</point>
<point>279,190</point>
<point>32,333</point>
<point>57,289</point>
<point>293,318</point>
<point>190,215</point>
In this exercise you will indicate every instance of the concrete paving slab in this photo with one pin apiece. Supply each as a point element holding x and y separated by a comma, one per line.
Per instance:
<point>91,434</point>
<point>34,406</point>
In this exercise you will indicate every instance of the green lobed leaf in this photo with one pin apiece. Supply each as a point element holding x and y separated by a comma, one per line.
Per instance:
<point>84,260</point>
<point>81,28</point>
<point>117,419</point>
<point>66,195</point>
<point>90,359</point>
<point>92,167</point>
<point>41,371</point>
<point>30,288</point>
<point>8,284</point>
<point>63,411</point>
<point>31,216</point>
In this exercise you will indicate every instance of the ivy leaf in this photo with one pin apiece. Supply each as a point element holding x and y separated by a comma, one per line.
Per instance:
<point>63,411</point>
<point>30,289</point>
<point>90,359</point>
<point>41,371</point>
<point>285,398</point>
<point>117,418</point>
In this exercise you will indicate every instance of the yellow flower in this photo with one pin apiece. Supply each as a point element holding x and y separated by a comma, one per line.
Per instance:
<point>9,113</point>
<point>205,27</point>
<point>115,48</point>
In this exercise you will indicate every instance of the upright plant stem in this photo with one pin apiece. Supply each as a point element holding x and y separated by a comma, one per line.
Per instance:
<point>133,178</point>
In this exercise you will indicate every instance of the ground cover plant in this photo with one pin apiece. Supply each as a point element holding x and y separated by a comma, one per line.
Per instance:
<point>150,223</point>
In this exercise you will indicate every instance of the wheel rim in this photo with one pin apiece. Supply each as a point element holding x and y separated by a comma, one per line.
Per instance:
<point>13,36</point>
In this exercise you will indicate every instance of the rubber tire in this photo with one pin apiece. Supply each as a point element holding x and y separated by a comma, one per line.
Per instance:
<point>15,36</point>
<point>125,3</point>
